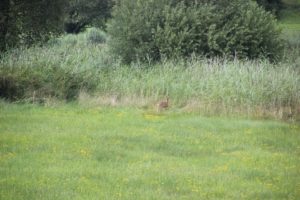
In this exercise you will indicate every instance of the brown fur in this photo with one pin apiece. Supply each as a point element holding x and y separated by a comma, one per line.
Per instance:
<point>163,104</point>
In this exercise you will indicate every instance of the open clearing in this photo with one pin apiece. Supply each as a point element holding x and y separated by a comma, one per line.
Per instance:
<point>71,152</point>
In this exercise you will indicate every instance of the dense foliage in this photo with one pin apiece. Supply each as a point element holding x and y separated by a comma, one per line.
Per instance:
<point>4,6</point>
<point>26,22</point>
<point>82,13</point>
<point>271,5</point>
<point>60,68</point>
<point>151,29</point>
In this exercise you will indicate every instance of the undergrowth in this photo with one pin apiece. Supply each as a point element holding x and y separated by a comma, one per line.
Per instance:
<point>73,65</point>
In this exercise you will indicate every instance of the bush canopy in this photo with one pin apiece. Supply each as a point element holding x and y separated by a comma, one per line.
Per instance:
<point>153,29</point>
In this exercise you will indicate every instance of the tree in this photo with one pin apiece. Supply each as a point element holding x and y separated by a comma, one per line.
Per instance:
<point>4,15</point>
<point>82,13</point>
<point>26,22</point>
<point>270,5</point>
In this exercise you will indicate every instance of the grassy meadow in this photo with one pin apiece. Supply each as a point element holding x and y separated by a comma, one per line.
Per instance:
<point>77,123</point>
<point>76,152</point>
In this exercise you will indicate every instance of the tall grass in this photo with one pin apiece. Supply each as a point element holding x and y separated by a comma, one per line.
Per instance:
<point>210,83</point>
<point>59,69</point>
<point>72,64</point>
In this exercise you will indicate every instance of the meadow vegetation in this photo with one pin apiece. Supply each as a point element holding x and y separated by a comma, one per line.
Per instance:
<point>79,152</point>
<point>83,67</point>
<point>82,64</point>
<point>78,115</point>
<point>289,15</point>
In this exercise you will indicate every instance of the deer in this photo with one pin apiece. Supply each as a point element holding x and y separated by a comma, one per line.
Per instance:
<point>163,105</point>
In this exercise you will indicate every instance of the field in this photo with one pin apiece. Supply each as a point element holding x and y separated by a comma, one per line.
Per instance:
<point>77,123</point>
<point>290,15</point>
<point>75,152</point>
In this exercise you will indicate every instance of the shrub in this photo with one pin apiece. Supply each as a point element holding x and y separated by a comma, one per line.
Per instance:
<point>184,30</point>
<point>150,29</point>
<point>244,30</point>
<point>60,69</point>
<point>96,36</point>
<point>133,28</point>
<point>56,82</point>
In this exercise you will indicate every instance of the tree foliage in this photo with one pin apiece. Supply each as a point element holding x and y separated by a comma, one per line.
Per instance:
<point>151,29</point>
<point>24,22</point>
<point>271,5</point>
<point>4,7</point>
<point>83,12</point>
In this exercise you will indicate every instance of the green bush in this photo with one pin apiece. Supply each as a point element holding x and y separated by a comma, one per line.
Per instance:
<point>150,29</point>
<point>60,69</point>
<point>41,82</point>
<point>96,36</point>
<point>184,30</point>
<point>246,30</point>
<point>133,28</point>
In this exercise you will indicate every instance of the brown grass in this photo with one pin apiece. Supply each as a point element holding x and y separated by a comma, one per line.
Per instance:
<point>285,113</point>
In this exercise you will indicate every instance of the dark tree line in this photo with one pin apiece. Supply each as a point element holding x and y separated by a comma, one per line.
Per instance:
<point>26,22</point>
<point>4,16</point>
<point>82,13</point>
<point>271,5</point>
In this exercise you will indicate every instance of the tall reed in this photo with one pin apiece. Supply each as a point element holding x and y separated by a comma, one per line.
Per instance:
<point>71,64</point>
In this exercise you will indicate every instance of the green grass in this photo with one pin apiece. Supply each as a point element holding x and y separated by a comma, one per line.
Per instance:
<point>291,2</point>
<point>290,19</point>
<point>290,15</point>
<point>90,151</point>
<point>72,152</point>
